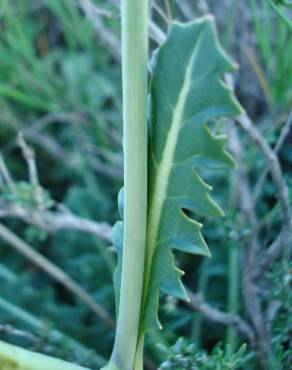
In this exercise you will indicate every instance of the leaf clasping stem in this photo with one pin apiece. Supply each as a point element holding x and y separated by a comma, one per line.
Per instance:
<point>135,90</point>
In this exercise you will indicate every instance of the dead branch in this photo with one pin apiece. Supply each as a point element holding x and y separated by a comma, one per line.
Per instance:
<point>197,303</point>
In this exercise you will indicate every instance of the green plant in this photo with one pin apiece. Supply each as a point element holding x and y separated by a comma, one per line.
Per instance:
<point>185,356</point>
<point>187,95</point>
<point>133,206</point>
<point>281,296</point>
<point>274,62</point>
<point>186,92</point>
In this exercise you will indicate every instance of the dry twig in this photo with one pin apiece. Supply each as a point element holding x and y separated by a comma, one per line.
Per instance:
<point>273,164</point>
<point>52,221</point>
<point>282,137</point>
<point>273,252</point>
<point>213,314</point>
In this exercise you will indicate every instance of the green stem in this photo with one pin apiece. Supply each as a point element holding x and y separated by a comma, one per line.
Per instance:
<point>135,89</point>
<point>233,290</point>
<point>202,288</point>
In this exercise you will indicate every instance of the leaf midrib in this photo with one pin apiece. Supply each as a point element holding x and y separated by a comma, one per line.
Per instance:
<point>164,169</point>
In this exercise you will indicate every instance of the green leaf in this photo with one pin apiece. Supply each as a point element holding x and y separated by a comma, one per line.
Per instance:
<point>187,92</point>
<point>13,357</point>
<point>117,235</point>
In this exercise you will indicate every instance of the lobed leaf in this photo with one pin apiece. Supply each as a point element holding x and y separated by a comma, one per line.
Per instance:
<point>187,92</point>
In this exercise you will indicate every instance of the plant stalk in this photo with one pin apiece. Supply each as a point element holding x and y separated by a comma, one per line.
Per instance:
<point>233,291</point>
<point>202,288</point>
<point>135,90</point>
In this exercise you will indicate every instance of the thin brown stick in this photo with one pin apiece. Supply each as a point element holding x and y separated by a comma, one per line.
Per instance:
<point>29,156</point>
<point>50,221</point>
<point>283,134</point>
<point>55,272</point>
<point>273,164</point>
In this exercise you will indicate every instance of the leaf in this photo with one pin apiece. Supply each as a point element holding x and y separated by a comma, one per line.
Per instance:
<point>117,235</point>
<point>187,92</point>
<point>13,357</point>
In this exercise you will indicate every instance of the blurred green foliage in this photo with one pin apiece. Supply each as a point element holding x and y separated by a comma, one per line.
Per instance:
<point>60,84</point>
<point>185,356</point>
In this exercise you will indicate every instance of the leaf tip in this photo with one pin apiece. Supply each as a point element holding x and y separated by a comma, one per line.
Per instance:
<point>208,253</point>
<point>188,300</point>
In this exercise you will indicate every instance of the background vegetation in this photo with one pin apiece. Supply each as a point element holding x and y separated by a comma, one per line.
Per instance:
<point>61,168</point>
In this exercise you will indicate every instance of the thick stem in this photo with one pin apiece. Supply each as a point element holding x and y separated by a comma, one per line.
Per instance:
<point>135,90</point>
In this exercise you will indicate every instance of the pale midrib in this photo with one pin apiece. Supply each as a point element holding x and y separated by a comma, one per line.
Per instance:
<point>163,172</point>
